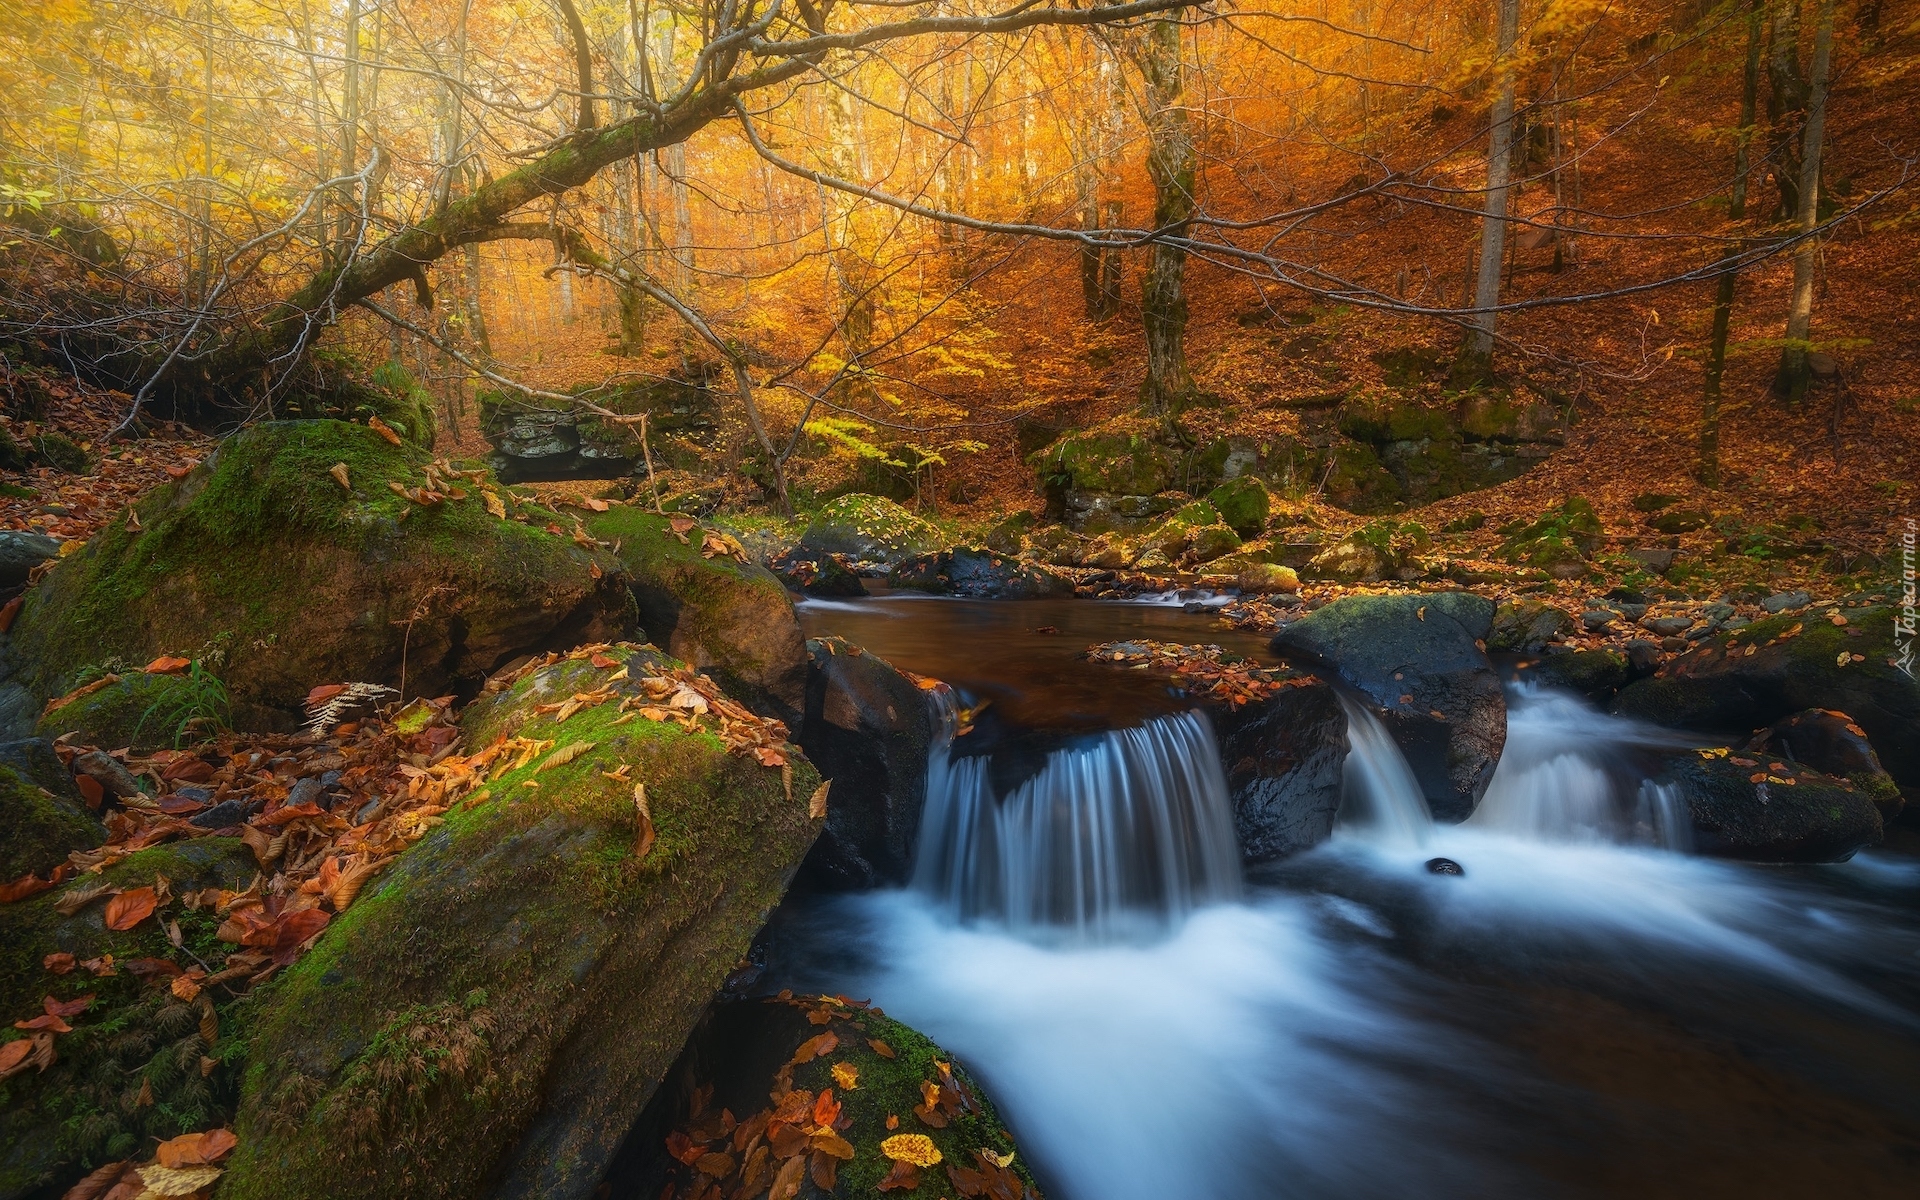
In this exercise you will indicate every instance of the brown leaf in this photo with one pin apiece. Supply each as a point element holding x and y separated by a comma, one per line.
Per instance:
<point>383,429</point>
<point>769,757</point>
<point>47,1022</point>
<point>563,756</point>
<point>167,664</point>
<point>59,962</point>
<point>786,1184</point>
<point>67,1008</point>
<point>880,1048</point>
<point>195,1149</point>
<point>35,1050</point>
<point>643,823</point>
<point>904,1177</point>
<point>130,908</point>
<point>817,803</point>
<point>715,1164</point>
<point>102,1184</point>
<point>824,1169</point>
<point>27,885</point>
<point>339,473</point>
<point>814,1047</point>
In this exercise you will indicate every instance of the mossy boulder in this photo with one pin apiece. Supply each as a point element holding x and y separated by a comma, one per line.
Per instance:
<point>140,711</point>
<point>1376,551</point>
<point>1243,503</point>
<point>42,816</point>
<point>1832,744</point>
<point>1213,541</point>
<point>1496,415</point>
<point>1391,417</point>
<point>1773,668</point>
<point>737,1063</point>
<point>1116,463</point>
<point>869,529</point>
<point>1527,627</point>
<point>1595,674</point>
<point>493,1013</point>
<point>1009,534</point>
<point>1267,578</point>
<point>262,565</point>
<point>135,1036</point>
<point>731,619</point>
<point>1765,810</point>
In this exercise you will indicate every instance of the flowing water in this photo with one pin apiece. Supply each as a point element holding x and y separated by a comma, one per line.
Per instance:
<point>1585,1012</point>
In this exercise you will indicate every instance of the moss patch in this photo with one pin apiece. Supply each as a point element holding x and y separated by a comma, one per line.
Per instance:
<point>40,827</point>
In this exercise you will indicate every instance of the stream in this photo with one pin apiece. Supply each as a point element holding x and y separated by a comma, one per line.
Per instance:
<point>1586,1011</point>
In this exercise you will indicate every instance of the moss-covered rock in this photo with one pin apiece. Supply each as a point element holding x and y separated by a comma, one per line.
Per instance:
<point>134,1037</point>
<point>1596,674</point>
<point>1829,742</point>
<point>142,711</point>
<point>1242,503</point>
<point>1784,665</point>
<point>1264,578</point>
<point>1121,464</point>
<point>1213,541</point>
<point>42,816</point>
<point>1009,534</point>
<point>263,566</point>
<point>731,619</point>
<point>1527,627</point>
<point>737,1063</point>
<point>490,1017</point>
<point>869,529</point>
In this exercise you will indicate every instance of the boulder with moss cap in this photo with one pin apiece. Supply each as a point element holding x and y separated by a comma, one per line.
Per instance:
<point>261,563</point>
<point>536,947</point>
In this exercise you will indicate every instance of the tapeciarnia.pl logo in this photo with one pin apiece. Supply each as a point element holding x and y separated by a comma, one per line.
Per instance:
<point>1907,618</point>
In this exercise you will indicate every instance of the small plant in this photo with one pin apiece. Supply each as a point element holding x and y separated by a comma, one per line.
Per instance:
<point>194,705</point>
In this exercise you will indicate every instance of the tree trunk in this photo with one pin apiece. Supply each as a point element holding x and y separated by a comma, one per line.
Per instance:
<point>1168,386</point>
<point>1786,103</point>
<point>1795,374</point>
<point>1493,235</point>
<point>1097,173</point>
<point>1707,470</point>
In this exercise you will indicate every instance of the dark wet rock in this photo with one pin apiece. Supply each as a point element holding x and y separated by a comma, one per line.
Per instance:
<point>1415,659</point>
<point>222,815</point>
<point>731,619</point>
<point>106,771</point>
<point>869,529</point>
<point>139,711</point>
<point>1748,808</point>
<point>260,553</point>
<point>1658,559</point>
<point>1596,619</point>
<point>1596,674</point>
<point>817,573</point>
<point>1527,627</point>
<point>1738,682</point>
<point>22,551</point>
<point>306,791</point>
<point>545,445</point>
<point>42,815</point>
<point>549,972</point>
<point>1444,866</point>
<point>978,573</point>
<point>1831,743</point>
<point>1666,627</point>
<point>1284,757</point>
<point>868,728</point>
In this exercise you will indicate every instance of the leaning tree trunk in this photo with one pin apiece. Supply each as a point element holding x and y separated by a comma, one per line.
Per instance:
<point>1795,373</point>
<point>1171,166</point>
<point>1493,236</point>
<point>1707,469</point>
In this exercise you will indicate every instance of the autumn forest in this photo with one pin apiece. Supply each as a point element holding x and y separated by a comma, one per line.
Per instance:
<point>1421,497</point>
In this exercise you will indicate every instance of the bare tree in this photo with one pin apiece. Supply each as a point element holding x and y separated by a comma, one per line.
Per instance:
<point>1493,235</point>
<point>1172,166</point>
<point>1795,371</point>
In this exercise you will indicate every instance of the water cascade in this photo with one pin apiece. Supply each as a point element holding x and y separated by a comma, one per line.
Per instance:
<point>1380,801</point>
<point>1567,776</point>
<point>1128,827</point>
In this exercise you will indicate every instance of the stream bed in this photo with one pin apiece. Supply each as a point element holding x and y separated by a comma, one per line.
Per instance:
<point>1586,1011</point>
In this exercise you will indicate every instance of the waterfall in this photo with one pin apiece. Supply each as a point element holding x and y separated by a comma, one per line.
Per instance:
<point>1566,776</point>
<point>1380,799</point>
<point>1129,827</point>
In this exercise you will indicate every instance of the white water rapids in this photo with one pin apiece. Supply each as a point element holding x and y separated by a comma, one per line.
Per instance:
<point>1352,1026</point>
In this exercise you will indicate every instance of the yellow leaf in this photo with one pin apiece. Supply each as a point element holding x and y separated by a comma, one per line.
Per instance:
<point>1003,1161</point>
<point>339,473</point>
<point>915,1148</point>
<point>563,756</point>
<point>846,1076</point>
<point>495,505</point>
<point>184,1181</point>
<point>817,803</point>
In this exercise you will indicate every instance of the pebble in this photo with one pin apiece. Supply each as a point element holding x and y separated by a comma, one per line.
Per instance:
<point>1666,627</point>
<point>1444,866</point>
<point>1673,643</point>
<point>1596,619</point>
<point>221,815</point>
<point>307,791</point>
<point>105,771</point>
<point>1781,602</point>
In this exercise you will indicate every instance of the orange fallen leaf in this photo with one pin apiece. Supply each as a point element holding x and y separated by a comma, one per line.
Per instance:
<point>817,803</point>
<point>880,1047</point>
<point>115,1181</point>
<point>67,1008</point>
<point>59,962</point>
<point>48,1022</point>
<point>167,664</point>
<point>603,662</point>
<point>13,1053</point>
<point>769,757</point>
<point>814,1047</point>
<point>196,1149</point>
<point>383,429</point>
<point>130,908</point>
<point>19,889</point>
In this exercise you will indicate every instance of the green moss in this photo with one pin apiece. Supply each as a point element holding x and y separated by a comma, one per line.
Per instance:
<point>1243,503</point>
<point>144,711</point>
<point>593,963</point>
<point>870,527</point>
<point>1566,533</point>
<point>1123,464</point>
<point>40,827</point>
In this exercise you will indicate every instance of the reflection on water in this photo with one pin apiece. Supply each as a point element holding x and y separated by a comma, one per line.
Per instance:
<point>1028,657</point>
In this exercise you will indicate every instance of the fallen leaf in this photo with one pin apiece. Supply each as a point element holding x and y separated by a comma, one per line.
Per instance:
<point>786,1184</point>
<point>47,1022</point>
<point>107,1184</point>
<point>715,1164</point>
<point>817,803</point>
<point>339,473</point>
<point>915,1148</point>
<point>846,1075</point>
<point>880,1048</point>
<point>59,962</point>
<point>195,1149</point>
<point>495,505</point>
<point>643,823</point>
<point>184,988</point>
<point>602,661</point>
<point>905,1177</point>
<point>824,1170</point>
<point>563,756</point>
<point>769,757</point>
<point>167,665</point>
<point>383,429</point>
<point>27,885</point>
<point>1003,1161</point>
<point>814,1047</point>
<point>130,908</point>
<point>35,1050</point>
<point>67,1008</point>
<point>166,1181</point>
